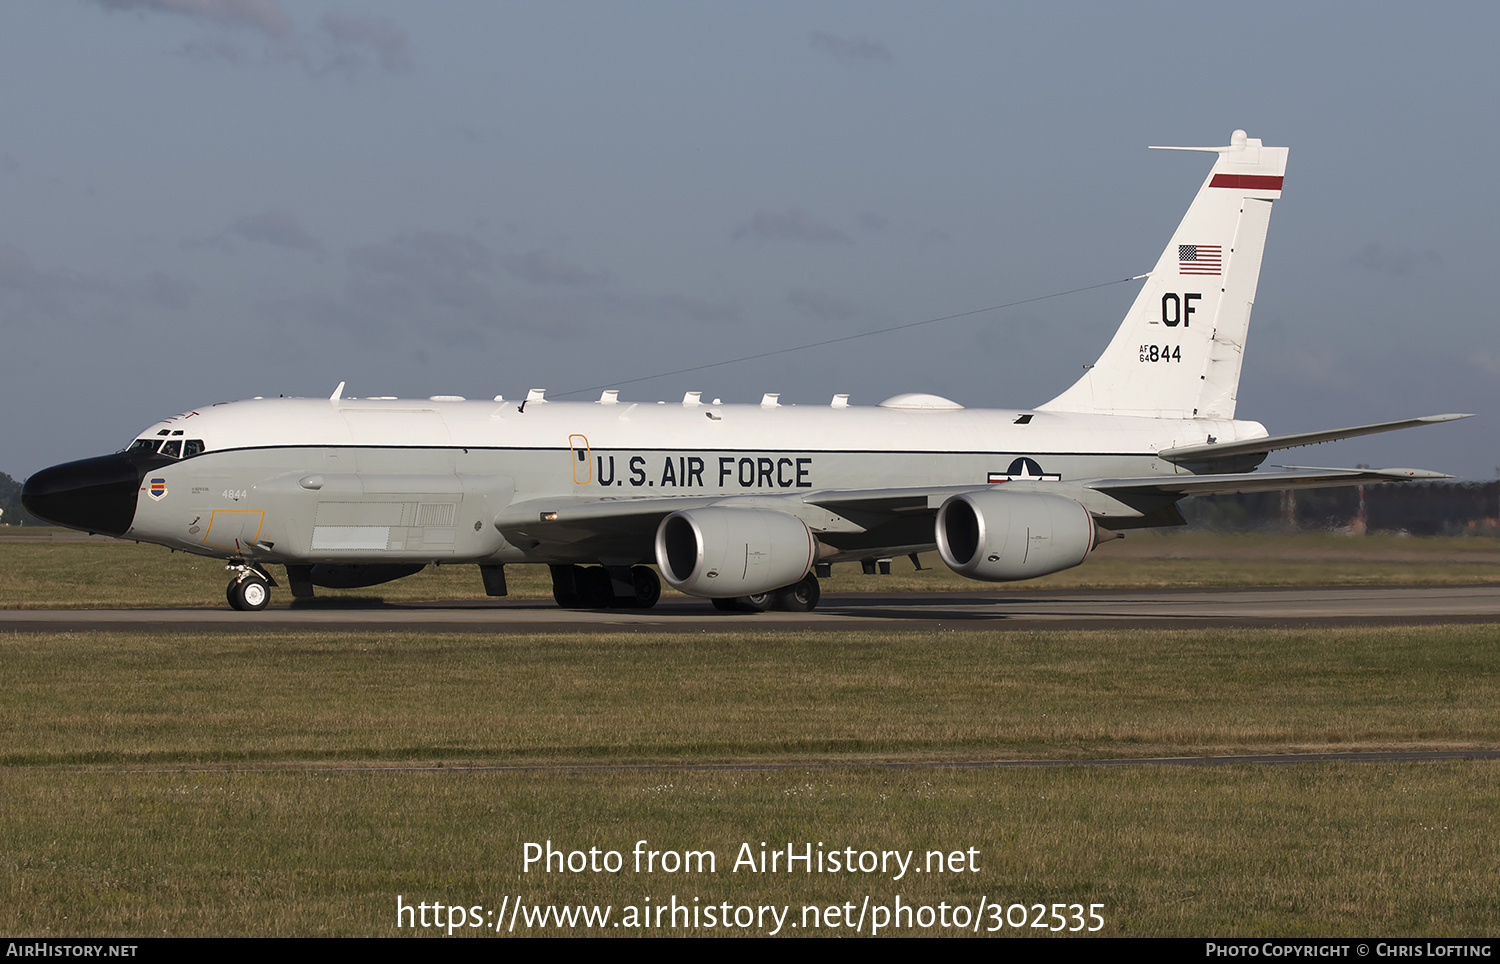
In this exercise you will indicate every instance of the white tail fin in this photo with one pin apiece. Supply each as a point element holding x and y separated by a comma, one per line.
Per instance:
<point>1178,352</point>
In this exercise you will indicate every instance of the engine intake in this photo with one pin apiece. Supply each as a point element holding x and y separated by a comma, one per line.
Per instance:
<point>725,552</point>
<point>1004,536</point>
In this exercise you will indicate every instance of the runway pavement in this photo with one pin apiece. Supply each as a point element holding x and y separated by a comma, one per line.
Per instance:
<point>844,612</point>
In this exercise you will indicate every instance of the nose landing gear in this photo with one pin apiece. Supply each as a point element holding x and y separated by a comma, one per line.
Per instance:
<point>249,590</point>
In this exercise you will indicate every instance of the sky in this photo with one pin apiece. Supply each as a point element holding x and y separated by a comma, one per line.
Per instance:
<point>206,200</point>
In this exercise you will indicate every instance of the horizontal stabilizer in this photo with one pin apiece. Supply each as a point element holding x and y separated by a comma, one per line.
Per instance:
<point>1197,453</point>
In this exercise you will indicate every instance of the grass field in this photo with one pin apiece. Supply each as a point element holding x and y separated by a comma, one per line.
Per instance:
<point>126,699</point>
<point>1237,851</point>
<point>291,784</point>
<point>111,574</point>
<point>296,784</point>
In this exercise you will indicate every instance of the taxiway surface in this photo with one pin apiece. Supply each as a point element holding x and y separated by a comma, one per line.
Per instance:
<point>843,612</point>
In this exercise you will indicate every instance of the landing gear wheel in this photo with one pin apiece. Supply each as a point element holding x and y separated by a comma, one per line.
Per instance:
<point>647,587</point>
<point>565,583</point>
<point>726,605</point>
<point>801,598</point>
<point>249,594</point>
<point>758,603</point>
<point>594,588</point>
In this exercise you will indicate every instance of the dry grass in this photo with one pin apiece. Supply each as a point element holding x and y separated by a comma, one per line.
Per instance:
<point>138,699</point>
<point>202,785</point>
<point>121,574</point>
<point>1398,850</point>
<point>198,785</point>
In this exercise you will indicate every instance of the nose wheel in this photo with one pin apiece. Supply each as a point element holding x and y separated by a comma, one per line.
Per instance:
<point>249,590</point>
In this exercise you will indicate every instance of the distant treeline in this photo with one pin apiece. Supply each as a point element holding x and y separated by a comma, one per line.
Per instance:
<point>10,504</point>
<point>1420,508</point>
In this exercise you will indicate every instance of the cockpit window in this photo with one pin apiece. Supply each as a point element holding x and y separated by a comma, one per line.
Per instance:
<point>172,448</point>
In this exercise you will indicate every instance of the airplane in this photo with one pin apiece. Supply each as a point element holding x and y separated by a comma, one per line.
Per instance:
<point>741,504</point>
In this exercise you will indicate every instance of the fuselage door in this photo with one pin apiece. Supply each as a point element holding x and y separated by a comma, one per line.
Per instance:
<point>583,466</point>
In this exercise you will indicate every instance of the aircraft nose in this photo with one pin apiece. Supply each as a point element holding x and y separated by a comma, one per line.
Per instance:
<point>96,495</point>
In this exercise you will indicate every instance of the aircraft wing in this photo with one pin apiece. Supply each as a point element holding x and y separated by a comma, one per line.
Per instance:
<point>1289,477</point>
<point>1260,446</point>
<point>569,519</point>
<point>846,520</point>
<point>855,522</point>
<point>1115,503</point>
<point>575,518</point>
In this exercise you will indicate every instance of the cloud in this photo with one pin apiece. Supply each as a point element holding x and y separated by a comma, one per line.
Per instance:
<point>166,292</point>
<point>439,287</point>
<point>215,48</point>
<point>352,36</point>
<point>793,225</point>
<point>423,252</point>
<point>419,271</point>
<point>33,295</point>
<point>276,226</point>
<point>672,308</point>
<point>30,294</point>
<point>1399,263</point>
<point>851,49</point>
<point>341,43</point>
<point>544,268</point>
<point>261,16</point>
<point>1486,361</point>
<point>423,288</point>
<point>823,306</point>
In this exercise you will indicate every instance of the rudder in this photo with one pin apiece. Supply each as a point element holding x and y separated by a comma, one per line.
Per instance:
<point>1179,350</point>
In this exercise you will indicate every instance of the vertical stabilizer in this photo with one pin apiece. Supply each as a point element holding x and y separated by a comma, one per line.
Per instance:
<point>1178,352</point>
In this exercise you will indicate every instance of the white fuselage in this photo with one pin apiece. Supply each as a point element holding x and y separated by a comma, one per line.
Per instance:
<point>388,480</point>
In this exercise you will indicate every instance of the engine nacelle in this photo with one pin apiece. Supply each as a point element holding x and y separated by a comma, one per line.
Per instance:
<point>1002,536</point>
<point>725,552</point>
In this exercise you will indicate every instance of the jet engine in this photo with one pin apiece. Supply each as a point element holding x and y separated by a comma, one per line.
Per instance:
<point>1002,536</point>
<point>725,552</point>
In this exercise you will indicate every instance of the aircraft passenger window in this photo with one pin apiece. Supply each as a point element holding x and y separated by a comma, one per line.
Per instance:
<point>172,448</point>
<point>192,447</point>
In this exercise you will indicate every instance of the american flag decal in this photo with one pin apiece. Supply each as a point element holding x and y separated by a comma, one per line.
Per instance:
<point>1200,259</point>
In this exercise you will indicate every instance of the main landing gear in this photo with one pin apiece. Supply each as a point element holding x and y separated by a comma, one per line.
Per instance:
<point>801,597</point>
<point>250,589</point>
<point>605,587</point>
